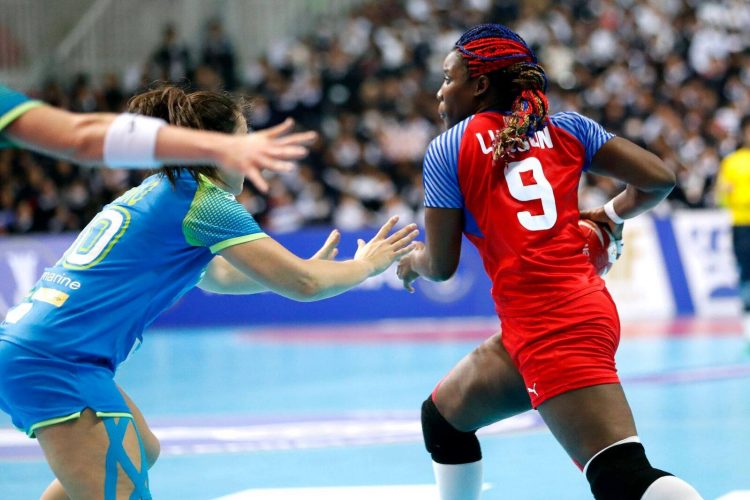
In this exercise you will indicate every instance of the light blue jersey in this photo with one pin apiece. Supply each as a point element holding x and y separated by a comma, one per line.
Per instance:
<point>134,259</point>
<point>12,105</point>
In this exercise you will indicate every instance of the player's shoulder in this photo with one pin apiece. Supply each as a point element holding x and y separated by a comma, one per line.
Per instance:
<point>571,120</point>
<point>587,131</point>
<point>211,198</point>
<point>209,189</point>
<point>451,137</point>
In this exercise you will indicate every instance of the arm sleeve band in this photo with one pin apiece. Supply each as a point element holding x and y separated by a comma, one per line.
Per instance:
<point>131,141</point>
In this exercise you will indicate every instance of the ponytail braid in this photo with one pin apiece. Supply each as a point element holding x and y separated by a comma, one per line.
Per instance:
<point>529,110</point>
<point>501,54</point>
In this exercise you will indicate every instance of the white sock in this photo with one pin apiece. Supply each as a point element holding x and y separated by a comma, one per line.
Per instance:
<point>671,488</point>
<point>460,481</point>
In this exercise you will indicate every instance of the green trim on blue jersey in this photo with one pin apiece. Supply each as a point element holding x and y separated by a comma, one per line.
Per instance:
<point>51,421</point>
<point>73,416</point>
<point>218,247</point>
<point>113,414</point>
<point>14,113</point>
<point>11,116</point>
<point>216,220</point>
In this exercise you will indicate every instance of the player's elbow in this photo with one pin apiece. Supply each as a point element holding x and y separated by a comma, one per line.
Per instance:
<point>442,273</point>
<point>87,139</point>
<point>662,178</point>
<point>306,288</point>
<point>442,276</point>
<point>666,180</point>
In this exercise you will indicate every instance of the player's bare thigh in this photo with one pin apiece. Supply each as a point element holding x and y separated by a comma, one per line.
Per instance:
<point>151,446</point>
<point>483,388</point>
<point>585,421</point>
<point>76,451</point>
<point>151,443</point>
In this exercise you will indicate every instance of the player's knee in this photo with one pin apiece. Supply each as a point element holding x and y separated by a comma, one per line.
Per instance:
<point>445,443</point>
<point>622,472</point>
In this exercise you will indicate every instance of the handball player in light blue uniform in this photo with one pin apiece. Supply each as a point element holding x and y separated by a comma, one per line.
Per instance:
<point>182,227</point>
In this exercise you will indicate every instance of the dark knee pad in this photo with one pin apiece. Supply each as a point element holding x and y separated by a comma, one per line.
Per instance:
<point>622,473</point>
<point>446,444</point>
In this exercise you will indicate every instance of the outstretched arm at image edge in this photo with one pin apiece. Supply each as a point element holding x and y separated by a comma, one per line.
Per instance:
<point>80,137</point>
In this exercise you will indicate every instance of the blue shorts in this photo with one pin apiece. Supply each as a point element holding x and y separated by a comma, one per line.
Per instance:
<point>37,390</point>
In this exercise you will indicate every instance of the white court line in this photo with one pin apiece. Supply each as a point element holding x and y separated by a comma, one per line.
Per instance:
<point>399,492</point>
<point>736,495</point>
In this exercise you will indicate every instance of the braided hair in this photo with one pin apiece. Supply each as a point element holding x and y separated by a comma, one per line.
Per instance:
<point>501,54</point>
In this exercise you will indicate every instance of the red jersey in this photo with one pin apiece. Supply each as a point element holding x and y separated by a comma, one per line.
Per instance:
<point>520,212</point>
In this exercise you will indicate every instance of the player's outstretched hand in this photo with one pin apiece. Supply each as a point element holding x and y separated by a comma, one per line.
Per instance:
<point>329,250</point>
<point>405,270</point>
<point>272,149</point>
<point>383,250</point>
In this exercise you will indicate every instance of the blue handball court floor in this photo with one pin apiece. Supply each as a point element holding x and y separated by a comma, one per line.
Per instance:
<point>332,412</point>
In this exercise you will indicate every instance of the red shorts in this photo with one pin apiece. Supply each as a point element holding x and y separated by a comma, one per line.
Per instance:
<point>565,348</point>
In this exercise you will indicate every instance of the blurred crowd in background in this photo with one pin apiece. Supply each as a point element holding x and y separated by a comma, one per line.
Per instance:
<point>670,75</point>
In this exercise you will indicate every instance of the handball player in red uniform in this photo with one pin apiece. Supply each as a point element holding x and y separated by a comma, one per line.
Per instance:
<point>506,174</point>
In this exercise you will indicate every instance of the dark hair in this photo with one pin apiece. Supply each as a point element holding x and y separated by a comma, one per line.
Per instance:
<point>202,110</point>
<point>504,57</point>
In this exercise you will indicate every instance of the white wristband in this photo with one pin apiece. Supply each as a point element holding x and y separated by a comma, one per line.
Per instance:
<point>609,209</point>
<point>131,141</point>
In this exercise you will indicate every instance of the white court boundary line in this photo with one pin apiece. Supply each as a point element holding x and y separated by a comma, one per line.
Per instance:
<point>392,492</point>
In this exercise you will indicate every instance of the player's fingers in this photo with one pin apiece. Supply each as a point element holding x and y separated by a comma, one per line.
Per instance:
<point>287,152</point>
<point>280,129</point>
<point>276,165</point>
<point>400,270</point>
<point>405,251</point>
<point>386,228</point>
<point>617,230</point>
<point>405,240</point>
<point>253,175</point>
<point>329,247</point>
<point>334,238</point>
<point>360,243</point>
<point>401,233</point>
<point>298,138</point>
<point>328,251</point>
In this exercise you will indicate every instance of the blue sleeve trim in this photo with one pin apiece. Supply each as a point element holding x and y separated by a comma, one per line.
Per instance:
<point>589,133</point>
<point>440,169</point>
